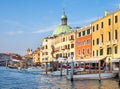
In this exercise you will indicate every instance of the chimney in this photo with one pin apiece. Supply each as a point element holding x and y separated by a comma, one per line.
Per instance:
<point>106,12</point>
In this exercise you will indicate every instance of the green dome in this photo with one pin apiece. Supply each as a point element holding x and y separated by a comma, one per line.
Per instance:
<point>61,29</point>
<point>63,16</point>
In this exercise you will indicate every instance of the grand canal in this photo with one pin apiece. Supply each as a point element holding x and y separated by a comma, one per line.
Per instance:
<point>18,79</point>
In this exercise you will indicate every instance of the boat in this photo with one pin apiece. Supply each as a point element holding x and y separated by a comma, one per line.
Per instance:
<point>13,67</point>
<point>58,73</point>
<point>92,76</point>
<point>35,69</point>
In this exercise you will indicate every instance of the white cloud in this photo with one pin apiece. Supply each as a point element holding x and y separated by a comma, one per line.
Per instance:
<point>15,32</point>
<point>83,22</point>
<point>11,22</point>
<point>44,30</point>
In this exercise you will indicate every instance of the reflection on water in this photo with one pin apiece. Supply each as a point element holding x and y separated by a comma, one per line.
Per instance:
<point>18,79</point>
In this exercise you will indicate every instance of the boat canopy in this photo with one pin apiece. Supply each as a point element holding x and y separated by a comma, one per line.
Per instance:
<point>115,60</point>
<point>91,60</point>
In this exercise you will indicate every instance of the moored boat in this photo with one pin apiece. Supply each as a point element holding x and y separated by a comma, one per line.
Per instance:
<point>92,76</point>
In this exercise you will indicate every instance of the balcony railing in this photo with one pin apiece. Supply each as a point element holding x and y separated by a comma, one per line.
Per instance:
<point>114,42</point>
<point>108,43</point>
<point>101,45</point>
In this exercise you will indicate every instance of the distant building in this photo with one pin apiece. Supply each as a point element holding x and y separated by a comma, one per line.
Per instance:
<point>36,56</point>
<point>46,50</point>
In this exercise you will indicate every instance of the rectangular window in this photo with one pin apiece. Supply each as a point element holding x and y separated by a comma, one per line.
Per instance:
<point>93,54</point>
<point>93,42</point>
<point>88,50</point>
<point>102,38</point>
<point>96,52</point>
<point>93,28</point>
<point>101,51</point>
<point>116,34</point>
<point>116,19</point>
<point>101,24</point>
<point>83,33</point>
<point>72,45</point>
<point>97,27</point>
<point>68,46</point>
<point>63,39</point>
<point>83,42</point>
<point>109,22</point>
<point>83,51</point>
<point>88,31</point>
<point>109,36</point>
<point>116,49</point>
<point>109,51</point>
<point>72,53</point>
<point>88,41</point>
<point>79,34</point>
<point>97,41</point>
<point>72,37</point>
<point>78,43</point>
<point>79,52</point>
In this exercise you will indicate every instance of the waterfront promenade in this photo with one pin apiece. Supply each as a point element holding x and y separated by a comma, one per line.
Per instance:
<point>19,79</point>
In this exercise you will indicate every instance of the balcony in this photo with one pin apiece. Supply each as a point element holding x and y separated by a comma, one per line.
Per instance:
<point>101,44</point>
<point>82,55</point>
<point>71,39</point>
<point>114,42</point>
<point>108,43</point>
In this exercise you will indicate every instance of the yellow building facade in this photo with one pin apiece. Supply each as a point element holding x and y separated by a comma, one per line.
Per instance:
<point>105,36</point>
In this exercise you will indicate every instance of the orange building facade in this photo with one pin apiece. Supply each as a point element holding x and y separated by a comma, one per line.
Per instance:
<point>83,43</point>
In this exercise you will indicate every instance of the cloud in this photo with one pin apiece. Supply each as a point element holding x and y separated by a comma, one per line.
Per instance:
<point>83,22</point>
<point>11,22</point>
<point>11,33</point>
<point>44,30</point>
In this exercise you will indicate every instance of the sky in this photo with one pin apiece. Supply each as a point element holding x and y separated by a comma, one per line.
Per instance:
<point>24,23</point>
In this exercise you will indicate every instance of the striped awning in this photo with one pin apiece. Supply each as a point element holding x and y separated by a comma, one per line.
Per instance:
<point>91,60</point>
<point>115,60</point>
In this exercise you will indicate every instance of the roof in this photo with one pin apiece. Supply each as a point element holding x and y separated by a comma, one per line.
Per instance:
<point>62,29</point>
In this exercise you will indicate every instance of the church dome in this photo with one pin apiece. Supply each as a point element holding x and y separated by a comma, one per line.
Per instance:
<point>63,28</point>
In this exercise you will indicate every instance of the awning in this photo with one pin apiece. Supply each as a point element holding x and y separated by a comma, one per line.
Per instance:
<point>60,59</point>
<point>91,60</point>
<point>115,60</point>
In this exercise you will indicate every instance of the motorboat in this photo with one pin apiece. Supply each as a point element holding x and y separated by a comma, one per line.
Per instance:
<point>58,72</point>
<point>35,69</point>
<point>92,76</point>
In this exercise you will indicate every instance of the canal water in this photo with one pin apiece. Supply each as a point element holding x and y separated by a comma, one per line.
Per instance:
<point>18,79</point>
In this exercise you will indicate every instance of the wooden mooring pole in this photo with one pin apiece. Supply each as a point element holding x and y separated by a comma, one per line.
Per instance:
<point>119,74</point>
<point>67,67</point>
<point>61,68</point>
<point>99,71</point>
<point>46,67</point>
<point>72,69</point>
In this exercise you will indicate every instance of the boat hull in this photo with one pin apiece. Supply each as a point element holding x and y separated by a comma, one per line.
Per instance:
<point>92,76</point>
